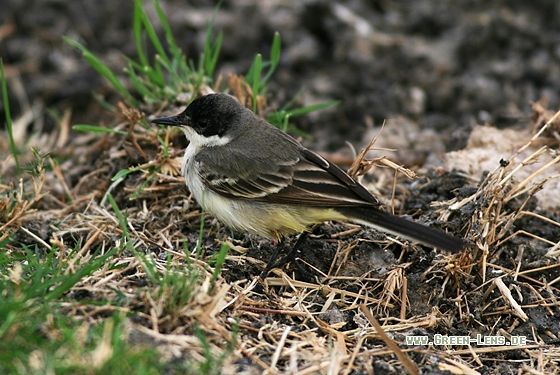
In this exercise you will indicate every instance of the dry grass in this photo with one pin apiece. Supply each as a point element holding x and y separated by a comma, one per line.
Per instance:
<point>162,278</point>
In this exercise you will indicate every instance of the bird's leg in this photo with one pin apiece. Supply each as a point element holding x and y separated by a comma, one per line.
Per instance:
<point>291,255</point>
<point>270,265</point>
<point>293,251</point>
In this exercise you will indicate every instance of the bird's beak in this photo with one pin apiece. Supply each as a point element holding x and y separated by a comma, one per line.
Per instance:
<point>168,121</point>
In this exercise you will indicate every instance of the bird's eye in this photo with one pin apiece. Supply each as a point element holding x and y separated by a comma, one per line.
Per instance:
<point>203,123</point>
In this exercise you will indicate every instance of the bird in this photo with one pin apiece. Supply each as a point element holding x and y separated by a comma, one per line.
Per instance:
<point>256,178</point>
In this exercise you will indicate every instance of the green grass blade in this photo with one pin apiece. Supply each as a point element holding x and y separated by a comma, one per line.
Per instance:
<point>9,118</point>
<point>311,108</point>
<point>139,85</point>
<point>275,49</point>
<point>211,50</point>
<point>142,187</point>
<point>70,280</point>
<point>256,78</point>
<point>164,146</point>
<point>201,232</point>
<point>137,32</point>
<point>149,267</point>
<point>216,48</point>
<point>209,364</point>
<point>220,260</point>
<point>104,71</point>
<point>292,101</point>
<point>3,245</point>
<point>137,66</point>
<point>285,123</point>
<point>274,59</point>
<point>101,100</point>
<point>117,179</point>
<point>158,77</point>
<point>121,218</point>
<point>7,323</point>
<point>175,50</point>
<point>96,129</point>
<point>200,73</point>
<point>122,173</point>
<point>167,65</point>
<point>152,35</point>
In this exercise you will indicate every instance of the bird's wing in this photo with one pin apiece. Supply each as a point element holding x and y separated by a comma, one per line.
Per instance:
<point>304,178</point>
<point>317,179</point>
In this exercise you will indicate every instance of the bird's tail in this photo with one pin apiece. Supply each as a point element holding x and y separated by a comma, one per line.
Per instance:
<point>408,229</point>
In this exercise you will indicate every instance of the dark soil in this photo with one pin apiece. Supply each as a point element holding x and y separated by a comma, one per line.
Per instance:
<point>448,64</point>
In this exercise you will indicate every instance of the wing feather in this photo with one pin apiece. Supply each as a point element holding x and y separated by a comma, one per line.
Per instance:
<point>307,179</point>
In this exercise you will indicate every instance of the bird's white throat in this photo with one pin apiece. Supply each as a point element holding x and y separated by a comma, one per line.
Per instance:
<point>198,142</point>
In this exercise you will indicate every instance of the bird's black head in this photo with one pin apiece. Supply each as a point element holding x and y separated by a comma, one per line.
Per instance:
<point>213,114</point>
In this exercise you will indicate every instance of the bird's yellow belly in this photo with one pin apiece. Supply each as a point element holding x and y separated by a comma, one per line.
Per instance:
<point>263,219</point>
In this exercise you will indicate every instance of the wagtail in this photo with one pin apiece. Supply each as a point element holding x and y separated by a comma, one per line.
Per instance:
<point>256,178</point>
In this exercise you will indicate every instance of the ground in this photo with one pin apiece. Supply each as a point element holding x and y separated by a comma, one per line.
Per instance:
<point>463,87</point>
